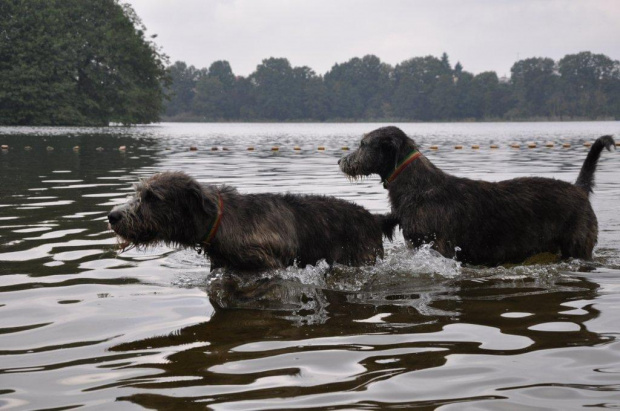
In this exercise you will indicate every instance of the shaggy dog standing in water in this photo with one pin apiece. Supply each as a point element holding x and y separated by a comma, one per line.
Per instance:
<point>480,222</point>
<point>247,231</point>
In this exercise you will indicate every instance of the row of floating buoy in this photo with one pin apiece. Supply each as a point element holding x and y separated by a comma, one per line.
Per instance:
<point>274,148</point>
<point>5,147</point>
<point>517,145</point>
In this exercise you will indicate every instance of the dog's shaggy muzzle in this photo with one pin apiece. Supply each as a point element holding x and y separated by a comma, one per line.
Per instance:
<point>352,166</point>
<point>130,228</point>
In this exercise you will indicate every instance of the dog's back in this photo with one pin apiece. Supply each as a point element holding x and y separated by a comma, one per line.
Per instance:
<point>513,219</point>
<point>335,230</point>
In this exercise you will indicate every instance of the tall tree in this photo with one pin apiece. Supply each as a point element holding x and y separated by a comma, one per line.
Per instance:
<point>275,96</point>
<point>359,87</point>
<point>415,79</point>
<point>182,88</point>
<point>534,81</point>
<point>77,63</point>
<point>587,80</point>
<point>214,94</point>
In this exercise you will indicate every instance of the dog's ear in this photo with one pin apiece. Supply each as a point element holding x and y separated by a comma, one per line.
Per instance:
<point>390,143</point>
<point>206,198</point>
<point>396,142</point>
<point>154,193</point>
<point>150,195</point>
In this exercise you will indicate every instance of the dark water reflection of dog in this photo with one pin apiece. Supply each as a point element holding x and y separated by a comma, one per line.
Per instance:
<point>283,306</point>
<point>423,314</point>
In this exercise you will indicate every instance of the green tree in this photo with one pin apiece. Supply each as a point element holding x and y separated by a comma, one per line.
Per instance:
<point>588,83</point>
<point>534,83</point>
<point>182,87</point>
<point>415,80</point>
<point>359,87</point>
<point>273,87</point>
<point>77,63</point>
<point>442,98</point>
<point>214,94</point>
<point>486,95</point>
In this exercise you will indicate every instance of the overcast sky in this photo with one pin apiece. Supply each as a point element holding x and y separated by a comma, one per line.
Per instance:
<point>482,34</point>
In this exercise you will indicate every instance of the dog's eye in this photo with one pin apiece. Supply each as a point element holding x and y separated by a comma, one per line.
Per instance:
<point>149,196</point>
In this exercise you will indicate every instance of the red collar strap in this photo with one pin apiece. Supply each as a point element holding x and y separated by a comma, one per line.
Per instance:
<point>216,223</point>
<point>401,166</point>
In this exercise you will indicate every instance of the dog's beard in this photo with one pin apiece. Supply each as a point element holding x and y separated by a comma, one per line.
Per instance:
<point>353,169</point>
<point>126,242</point>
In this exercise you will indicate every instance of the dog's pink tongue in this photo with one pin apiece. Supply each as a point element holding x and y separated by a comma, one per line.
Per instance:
<point>122,244</point>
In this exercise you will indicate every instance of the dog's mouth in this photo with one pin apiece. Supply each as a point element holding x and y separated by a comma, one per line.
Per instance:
<point>352,172</point>
<point>351,169</point>
<point>125,243</point>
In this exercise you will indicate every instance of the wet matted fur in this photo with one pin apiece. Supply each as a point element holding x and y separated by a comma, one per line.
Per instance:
<point>481,222</point>
<point>256,231</point>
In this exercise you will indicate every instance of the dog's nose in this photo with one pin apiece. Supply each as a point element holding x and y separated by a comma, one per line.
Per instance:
<point>114,217</point>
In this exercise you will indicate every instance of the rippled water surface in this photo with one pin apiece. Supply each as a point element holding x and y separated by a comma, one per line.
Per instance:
<point>83,326</point>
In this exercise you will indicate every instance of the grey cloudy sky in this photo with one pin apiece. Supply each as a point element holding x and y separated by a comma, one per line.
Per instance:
<point>481,34</point>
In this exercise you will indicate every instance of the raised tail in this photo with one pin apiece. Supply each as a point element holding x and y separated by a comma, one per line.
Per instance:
<point>388,224</point>
<point>586,175</point>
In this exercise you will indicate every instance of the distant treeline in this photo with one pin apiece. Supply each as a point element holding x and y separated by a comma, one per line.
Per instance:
<point>579,86</point>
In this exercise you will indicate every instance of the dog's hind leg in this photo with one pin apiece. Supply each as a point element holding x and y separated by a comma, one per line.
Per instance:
<point>577,246</point>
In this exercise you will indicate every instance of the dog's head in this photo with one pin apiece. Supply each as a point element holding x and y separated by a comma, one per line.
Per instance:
<point>169,207</point>
<point>378,153</point>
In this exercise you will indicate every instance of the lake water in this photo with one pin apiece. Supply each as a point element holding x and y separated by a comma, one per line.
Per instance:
<point>83,326</point>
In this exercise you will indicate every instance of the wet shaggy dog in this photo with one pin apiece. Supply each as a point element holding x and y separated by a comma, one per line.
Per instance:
<point>247,231</point>
<point>479,222</point>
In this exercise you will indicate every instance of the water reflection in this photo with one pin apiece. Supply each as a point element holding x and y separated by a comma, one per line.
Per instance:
<point>295,340</point>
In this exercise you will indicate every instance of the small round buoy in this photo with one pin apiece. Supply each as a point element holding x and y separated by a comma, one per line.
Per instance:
<point>193,148</point>
<point>566,145</point>
<point>587,144</point>
<point>99,149</point>
<point>50,148</point>
<point>434,147</point>
<point>494,146</point>
<point>297,148</point>
<point>27,148</point>
<point>531,145</point>
<point>321,148</point>
<point>475,147</point>
<point>250,148</point>
<point>345,148</point>
<point>514,145</point>
<point>168,148</point>
<point>5,147</point>
<point>459,147</point>
<point>549,145</point>
<point>122,148</point>
<point>76,148</point>
<point>617,144</point>
<point>214,149</point>
<point>224,148</point>
<point>275,148</point>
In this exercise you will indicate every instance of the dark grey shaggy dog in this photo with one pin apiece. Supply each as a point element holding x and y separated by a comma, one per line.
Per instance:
<point>247,232</point>
<point>491,223</point>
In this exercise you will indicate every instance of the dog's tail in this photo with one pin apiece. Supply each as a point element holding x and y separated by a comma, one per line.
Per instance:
<point>586,175</point>
<point>388,224</point>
